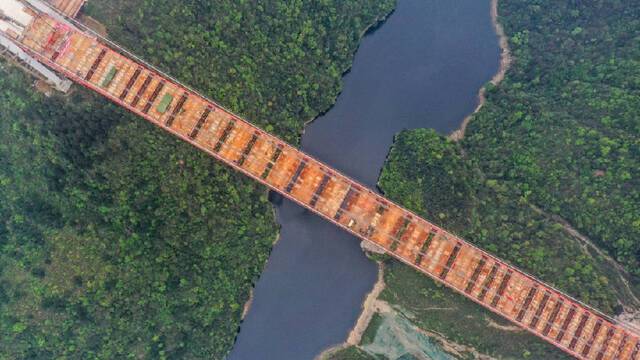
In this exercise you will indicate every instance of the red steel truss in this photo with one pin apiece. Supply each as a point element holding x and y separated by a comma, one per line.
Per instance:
<point>103,67</point>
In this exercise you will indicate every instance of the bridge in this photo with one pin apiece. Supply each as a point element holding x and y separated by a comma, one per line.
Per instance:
<point>101,66</point>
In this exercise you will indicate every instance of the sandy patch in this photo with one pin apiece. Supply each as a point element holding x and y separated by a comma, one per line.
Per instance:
<point>505,63</point>
<point>369,308</point>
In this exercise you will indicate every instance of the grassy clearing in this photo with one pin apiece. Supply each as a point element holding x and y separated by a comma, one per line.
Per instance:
<point>438,309</point>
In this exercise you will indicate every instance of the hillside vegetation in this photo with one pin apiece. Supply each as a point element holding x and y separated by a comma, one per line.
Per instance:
<point>563,130</point>
<point>118,241</point>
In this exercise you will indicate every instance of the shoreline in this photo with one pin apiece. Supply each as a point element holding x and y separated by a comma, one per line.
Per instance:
<point>368,31</point>
<point>247,305</point>
<point>375,25</point>
<point>372,305</point>
<point>369,306</point>
<point>505,63</point>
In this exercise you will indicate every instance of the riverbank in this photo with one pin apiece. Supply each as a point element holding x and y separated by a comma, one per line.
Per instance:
<point>505,63</point>
<point>395,325</point>
<point>369,307</point>
<point>377,23</point>
<point>524,149</point>
<point>367,31</point>
<point>372,303</point>
<point>294,313</point>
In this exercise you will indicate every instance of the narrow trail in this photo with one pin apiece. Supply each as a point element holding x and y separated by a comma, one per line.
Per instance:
<point>589,244</point>
<point>631,313</point>
<point>509,328</point>
<point>462,351</point>
<point>505,62</point>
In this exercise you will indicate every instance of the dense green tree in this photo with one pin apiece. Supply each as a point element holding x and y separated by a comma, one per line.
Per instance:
<point>563,128</point>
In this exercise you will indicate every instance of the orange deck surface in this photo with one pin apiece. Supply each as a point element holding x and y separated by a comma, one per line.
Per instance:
<point>553,316</point>
<point>68,7</point>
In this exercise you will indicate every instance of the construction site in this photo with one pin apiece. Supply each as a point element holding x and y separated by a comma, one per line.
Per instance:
<point>61,49</point>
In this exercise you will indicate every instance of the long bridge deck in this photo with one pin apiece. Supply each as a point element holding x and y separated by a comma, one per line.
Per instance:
<point>544,311</point>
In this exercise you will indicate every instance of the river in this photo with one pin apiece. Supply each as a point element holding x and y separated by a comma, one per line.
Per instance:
<point>422,68</point>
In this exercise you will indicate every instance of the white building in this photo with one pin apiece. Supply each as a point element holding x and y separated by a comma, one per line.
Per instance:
<point>15,16</point>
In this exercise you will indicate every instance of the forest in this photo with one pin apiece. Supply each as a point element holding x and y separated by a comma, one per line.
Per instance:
<point>554,152</point>
<point>118,241</point>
